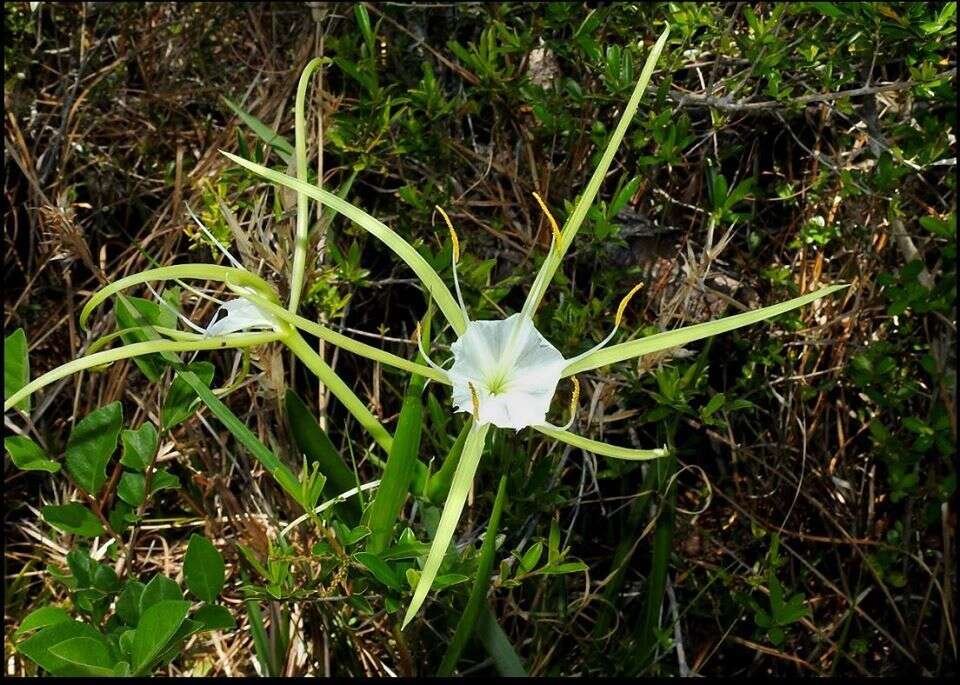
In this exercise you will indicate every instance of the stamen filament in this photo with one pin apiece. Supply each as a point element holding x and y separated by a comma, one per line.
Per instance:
<point>417,333</point>
<point>220,246</point>
<point>617,320</point>
<point>554,227</point>
<point>456,258</point>
<point>476,401</point>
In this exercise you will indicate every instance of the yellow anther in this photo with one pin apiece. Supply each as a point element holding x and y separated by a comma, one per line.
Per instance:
<point>553,222</point>
<point>575,397</point>
<point>453,234</point>
<point>416,333</point>
<point>625,301</point>
<point>476,401</point>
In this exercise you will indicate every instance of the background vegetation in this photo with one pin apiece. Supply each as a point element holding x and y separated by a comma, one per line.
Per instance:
<point>812,526</point>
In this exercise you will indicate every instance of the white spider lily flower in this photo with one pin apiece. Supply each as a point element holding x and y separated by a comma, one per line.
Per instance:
<point>505,373</point>
<point>512,368</point>
<point>241,315</point>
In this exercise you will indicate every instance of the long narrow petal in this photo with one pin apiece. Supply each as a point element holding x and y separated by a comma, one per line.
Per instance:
<point>431,280</point>
<point>137,350</point>
<point>682,336</point>
<point>601,447</point>
<point>346,342</point>
<point>576,218</point>
<point>469,459</point>
<point>207,272</point>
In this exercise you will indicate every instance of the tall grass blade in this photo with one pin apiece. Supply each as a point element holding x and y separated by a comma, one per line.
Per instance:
<point>401,464</point>
<point>497,644</point>
<point>314,443</point>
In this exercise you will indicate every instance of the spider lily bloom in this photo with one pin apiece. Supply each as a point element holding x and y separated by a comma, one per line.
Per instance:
<point>241,315</point>
<point>505,373</point>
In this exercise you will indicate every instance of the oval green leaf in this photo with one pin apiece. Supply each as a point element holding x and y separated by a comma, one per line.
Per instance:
<point>203,569</point>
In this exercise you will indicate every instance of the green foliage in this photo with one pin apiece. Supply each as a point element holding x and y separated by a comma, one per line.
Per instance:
<point>91,444</point>
<point>72,518</point>
<point>16,366</point>
<point>182,400</point>
<point>148,627</point>
<point>203,569</point>
<point>28,455</point>
<point>782,610</point>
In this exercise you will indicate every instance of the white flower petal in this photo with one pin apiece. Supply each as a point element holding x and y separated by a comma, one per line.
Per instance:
<point>513,369</point>
<point>241,315</point>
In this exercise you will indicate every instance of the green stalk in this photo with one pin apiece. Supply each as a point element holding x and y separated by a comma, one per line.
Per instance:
<point>303,207</point>
<point>481,584</point>
<point>341,391</point>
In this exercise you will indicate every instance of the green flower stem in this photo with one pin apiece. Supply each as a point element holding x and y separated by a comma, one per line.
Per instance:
<point>682,336</point>
<point>136,350</point>
<point>346,342</point>
<point>206,272</point>
<point>431,280</point>
<point>303,207</point>
<point>570,228</point>
<point>462,479</point>
<point>603,448</point>
<point>306,354</point>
